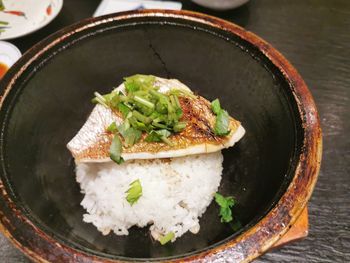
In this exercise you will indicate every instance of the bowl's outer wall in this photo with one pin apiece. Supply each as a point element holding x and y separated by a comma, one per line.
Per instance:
<point>51,100</point>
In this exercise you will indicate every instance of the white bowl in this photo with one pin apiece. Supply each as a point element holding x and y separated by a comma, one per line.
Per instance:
<point>24,17</point>
<point>220,4</point>
<point>9,53</point>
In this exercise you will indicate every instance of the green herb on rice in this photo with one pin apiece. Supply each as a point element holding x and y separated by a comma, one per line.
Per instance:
<point>225,203</point>
<point>165,239</point>
<point>134,192</point>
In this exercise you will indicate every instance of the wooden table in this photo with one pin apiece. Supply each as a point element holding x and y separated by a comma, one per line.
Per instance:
<point>315,36</point>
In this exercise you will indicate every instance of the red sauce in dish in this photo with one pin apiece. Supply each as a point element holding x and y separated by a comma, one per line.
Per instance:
<point>3,69</point>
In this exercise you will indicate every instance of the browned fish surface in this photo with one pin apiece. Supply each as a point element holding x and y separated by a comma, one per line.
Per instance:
<point>197,137</point>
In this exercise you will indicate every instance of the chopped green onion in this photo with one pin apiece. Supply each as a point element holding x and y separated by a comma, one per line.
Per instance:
<point>164,133</point>
<point>114,100</point>
<point>2,7</point>
<point>137,82</point>
<point>112,127</point>
<point>179,112</point>
<point>159,125</point>
<point>156,94</point>
<point>115,150</point>
<point>178,127</point>
<point>177,101</point>
<point>144,109</point>
<point>107,100</point>
<point>157,117</point>
<point>182,93</point>
<point>222,123</point>
<point>161,107</point>
<point>166,140</point>
<point>124,98</point>
<point>123,109</point>
<point>170,108</point>
<point>100,99</point>
<point>173,101</point>
<point>142,81</point>
<point>135,123</point>
<point>157,136</point>
<point>122,128</point>
<point>134,192</point>
<point>225,204</point>
<point>144,102</point>
<point>3,23</point>
<point>153,136</point>
<point>132,136</point>
<point>165,239</point>
<point>215,106</point>
<point>142,118</point>
<point>131,86</point>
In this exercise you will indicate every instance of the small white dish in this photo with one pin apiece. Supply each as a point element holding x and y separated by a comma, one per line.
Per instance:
<point>19,18</point>
<point>9,53</point>
<point>113,6</point>
<point>220,5</point>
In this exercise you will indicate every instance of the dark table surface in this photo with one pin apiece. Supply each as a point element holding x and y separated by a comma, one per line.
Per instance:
<point>315,36</point>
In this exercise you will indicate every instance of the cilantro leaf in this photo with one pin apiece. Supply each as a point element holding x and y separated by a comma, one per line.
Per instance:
<point>215,106</point>
<point>225,203</point>
<point>222,123</point>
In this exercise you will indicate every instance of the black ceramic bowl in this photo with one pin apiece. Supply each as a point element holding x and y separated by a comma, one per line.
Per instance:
<point>45,98</point>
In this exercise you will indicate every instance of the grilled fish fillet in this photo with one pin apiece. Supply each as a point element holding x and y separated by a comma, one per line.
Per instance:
<point>92,142</point>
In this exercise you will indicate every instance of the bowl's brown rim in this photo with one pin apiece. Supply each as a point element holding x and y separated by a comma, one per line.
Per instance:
<point>251,243</point>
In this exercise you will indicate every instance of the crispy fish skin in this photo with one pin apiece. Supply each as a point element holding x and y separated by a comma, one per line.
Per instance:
<point>92,142</point>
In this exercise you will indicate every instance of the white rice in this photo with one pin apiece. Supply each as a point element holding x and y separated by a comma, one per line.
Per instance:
<point>176,192</point>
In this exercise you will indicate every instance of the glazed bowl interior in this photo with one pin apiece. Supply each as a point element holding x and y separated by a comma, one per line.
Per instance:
<point>50,101</point>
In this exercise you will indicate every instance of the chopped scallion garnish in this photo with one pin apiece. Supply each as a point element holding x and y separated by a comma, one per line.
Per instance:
<point>178,127</point>
<point>112,127</point>
<point>123,109</point>
<point>2,7</point>
<point>144,102</point>
<point>134,192</point>
<point>132,136</point>
<point>142,118</point>
<point>144,109</point>
<point>99,99</point>
<point>158,136</point>
<point>165,239</point>
<point>115,150</point>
